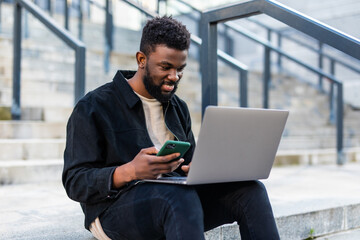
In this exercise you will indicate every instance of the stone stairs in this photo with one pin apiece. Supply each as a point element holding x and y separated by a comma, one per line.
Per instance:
<point>47,100</point>
<point>31,150</point>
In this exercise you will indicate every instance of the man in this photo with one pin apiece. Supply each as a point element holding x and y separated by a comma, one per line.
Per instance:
<point>113,135</point>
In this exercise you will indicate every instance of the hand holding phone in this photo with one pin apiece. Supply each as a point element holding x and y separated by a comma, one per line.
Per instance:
<point>171,146</point>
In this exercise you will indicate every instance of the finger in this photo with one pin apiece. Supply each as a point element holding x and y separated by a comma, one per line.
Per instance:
<point>176,164</point>
<point>163,159</point>
<point>166,167</point>
<point>169,157</point>
<point>185,168</point>
<point>150,150</point>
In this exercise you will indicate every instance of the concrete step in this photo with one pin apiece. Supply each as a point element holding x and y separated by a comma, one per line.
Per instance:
<point>24,149</point>
<point>309,156</point>
<point>343,235</point>
<point>30,171</point>
<point>38,98</point>
<point>32,129</point>
<point>43,114</point>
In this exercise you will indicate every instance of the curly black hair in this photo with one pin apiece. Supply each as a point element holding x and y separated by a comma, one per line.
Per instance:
<point>164,30</point>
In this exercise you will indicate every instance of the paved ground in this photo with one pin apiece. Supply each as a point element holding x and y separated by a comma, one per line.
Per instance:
<point>43,211</point>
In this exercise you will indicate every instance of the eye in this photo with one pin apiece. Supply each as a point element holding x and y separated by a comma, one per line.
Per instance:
<point>180,70</point>
<point>165,68</point>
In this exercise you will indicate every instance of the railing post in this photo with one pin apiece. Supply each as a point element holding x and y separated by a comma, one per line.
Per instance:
<point>79,89</point>
<point>26,24</point>
<point>331,95</point>
<point>88,9</point>
<point>66,14</point>
<point>269,35</point>
<point>108,35</point>
<point>0,13</point>
<point>320,63</point>
<point>331,103</point>
<point>208,63</point>
<point>49,7</point>
<point>339,125</point>
<point>279,44</point>
<point>80,23</point>
<point>229,42</point>
<point>243,88</point>
<point>199,34</point>
<point>267,77</point>
<point>16,104</point>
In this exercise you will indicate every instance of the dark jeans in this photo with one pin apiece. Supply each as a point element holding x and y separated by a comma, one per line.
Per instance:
<point>162,211</point>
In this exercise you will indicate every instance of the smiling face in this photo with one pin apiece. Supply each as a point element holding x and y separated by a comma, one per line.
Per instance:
<point>163,71</point>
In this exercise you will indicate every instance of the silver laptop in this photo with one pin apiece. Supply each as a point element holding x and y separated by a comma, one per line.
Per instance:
<point>234,144</point>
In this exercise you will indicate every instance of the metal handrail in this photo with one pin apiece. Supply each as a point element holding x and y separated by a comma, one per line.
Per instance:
<point>268,44</point>
<point>308,46</point>
<point>242,68</point>
<point>267,75</point>
<point>64,35</point>
<point>294,19</point>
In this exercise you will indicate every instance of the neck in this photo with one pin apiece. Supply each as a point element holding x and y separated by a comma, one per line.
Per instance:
<point>137,84</point>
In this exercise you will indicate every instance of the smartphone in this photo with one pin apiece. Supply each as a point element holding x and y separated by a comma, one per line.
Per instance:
<point>171,146</point>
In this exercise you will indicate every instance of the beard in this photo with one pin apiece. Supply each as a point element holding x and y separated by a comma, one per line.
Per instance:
<point>155,90</point>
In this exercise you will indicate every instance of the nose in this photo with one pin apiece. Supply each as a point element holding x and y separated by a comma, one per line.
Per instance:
<point>174,75</point>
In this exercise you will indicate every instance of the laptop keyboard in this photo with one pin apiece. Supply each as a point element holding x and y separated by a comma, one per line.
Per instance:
<point>173,178</point>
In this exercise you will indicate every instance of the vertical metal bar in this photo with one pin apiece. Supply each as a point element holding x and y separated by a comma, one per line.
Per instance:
<point>243,88</point>
<point>332,67</point>
<point>108,35</point>
<point>279,44</point>
<point>16,103</point>
<point>88,9</point>
<point>107,58</point>
<point>208,63</point>
<point>26,24</point>
<point>269,32</point>
<point>111,26</point>
<point>66,14</point>
<point>158,6</point>
<point>199,25</point>
<point>0,13</point>
<point>320,63</point>
<point>80,23</point>
<point>269,35</point>
<point>332,105</point>
<point>79,89</point>
<point>340,125</point>
<point>49,7</point>
<point>229,42</point>
<point>267,77</point>
<point>331,95</point>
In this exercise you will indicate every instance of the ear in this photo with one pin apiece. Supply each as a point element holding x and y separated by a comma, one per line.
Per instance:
<point>141,59</point>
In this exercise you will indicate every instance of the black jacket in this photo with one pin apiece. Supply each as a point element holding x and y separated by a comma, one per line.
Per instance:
<point>106,129</point>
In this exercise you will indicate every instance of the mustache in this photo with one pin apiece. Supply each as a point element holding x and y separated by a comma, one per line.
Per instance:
<point>170,83</point>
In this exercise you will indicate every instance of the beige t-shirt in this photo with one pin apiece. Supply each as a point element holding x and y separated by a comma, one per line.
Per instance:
<point>155,122</point>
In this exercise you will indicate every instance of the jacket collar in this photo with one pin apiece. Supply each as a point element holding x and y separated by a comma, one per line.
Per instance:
<point>125,89</point>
